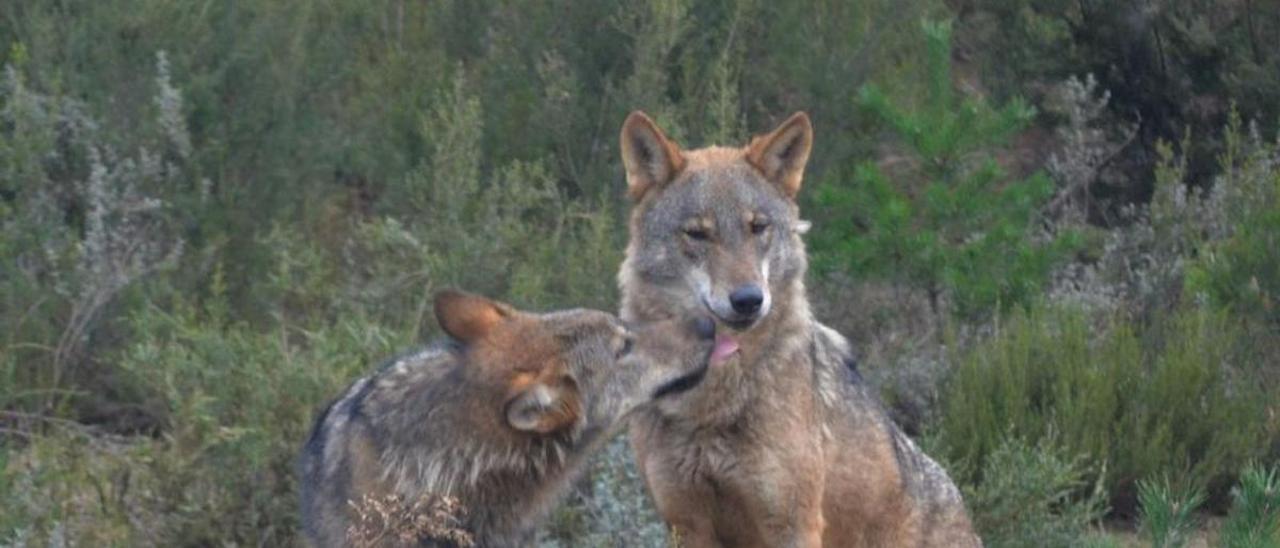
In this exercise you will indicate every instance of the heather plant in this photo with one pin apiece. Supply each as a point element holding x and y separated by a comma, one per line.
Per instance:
<point>84,223</point>
<point>1090,142</point>
<point>509,232</point>
<point>952,222</point>
<point>1034,495</point>
<point>1176,396</point>
<point>223,469</point>
<point>1189,244</point>
<point>1237,266</point>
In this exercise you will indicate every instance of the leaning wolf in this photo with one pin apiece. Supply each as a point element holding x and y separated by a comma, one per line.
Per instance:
<point>497,419</point>
<point>783,444</point>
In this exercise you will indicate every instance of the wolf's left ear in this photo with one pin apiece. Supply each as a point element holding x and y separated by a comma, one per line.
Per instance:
<point>466,316</point>
<point>781,154</point>
<point>650,157</point>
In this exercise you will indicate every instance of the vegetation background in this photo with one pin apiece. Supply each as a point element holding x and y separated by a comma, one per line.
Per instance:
<point>1052,228</point>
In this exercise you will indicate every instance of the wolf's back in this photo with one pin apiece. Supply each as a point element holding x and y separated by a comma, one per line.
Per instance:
<point>324,469</point>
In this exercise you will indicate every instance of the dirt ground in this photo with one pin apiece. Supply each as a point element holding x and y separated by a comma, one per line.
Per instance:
<point>1204,537</point>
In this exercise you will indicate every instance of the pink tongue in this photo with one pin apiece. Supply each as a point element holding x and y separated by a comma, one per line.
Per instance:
<point>725,347</point>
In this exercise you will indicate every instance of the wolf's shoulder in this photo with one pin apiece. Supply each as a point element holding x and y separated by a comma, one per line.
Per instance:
<point>834,353</point>
<point>840,385</point>
<point>403,369</point>
<point>413,371</point>
<point>424,360</point>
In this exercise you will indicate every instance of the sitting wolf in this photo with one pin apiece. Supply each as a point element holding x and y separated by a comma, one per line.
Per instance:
<point>497,418</point>
<point>783,444</point>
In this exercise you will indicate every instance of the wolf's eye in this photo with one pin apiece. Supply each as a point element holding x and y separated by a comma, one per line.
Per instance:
<point>627,343</point>
<point>696,234</point>
<point>759,226</point>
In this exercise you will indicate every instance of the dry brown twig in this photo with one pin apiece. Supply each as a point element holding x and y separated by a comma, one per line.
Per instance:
<point>391,520</point>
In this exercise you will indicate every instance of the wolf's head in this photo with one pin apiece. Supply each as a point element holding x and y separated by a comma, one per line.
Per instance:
<point>714,229</point>
<point>570,370</point>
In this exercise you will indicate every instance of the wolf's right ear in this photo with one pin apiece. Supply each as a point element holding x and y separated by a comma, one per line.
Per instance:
<point>466,316</point>
<point>650,157</point>
<point>782,153</point>
<point>542,409</point>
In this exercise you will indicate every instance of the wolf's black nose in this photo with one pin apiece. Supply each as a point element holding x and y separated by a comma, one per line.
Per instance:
<point>746,299</point>
<point>704,328</point>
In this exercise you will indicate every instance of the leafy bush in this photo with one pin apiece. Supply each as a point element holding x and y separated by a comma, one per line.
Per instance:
<point>1172,398</point>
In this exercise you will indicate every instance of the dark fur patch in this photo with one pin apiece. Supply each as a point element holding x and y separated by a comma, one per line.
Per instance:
<point>851,370</point>
<point>683,383</point>
<point>314,446</point>
<point>904,456</point>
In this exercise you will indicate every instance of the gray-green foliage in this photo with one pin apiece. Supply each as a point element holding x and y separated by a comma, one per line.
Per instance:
<point>1034,496</point>
<point>214,216</point>
<point>88,214</point>
<point>1170,69</point>
<point>235,403</point>
<point>612,510</point>
<point>1176,397</point>
<point>1236,266</point>
<point>321,118</point>
<point>325,166</point>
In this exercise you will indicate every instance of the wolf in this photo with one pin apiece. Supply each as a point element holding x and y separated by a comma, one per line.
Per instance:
<point>782,444</point>
<point>498,417</point>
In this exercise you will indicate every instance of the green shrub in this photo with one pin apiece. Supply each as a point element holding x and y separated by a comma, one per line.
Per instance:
<point>239,401</point>
<point>1240,268</point>
<point>512,233</point>
<point>1171,399</point>
<point>85,215</point>
<point>1167,513</point>
<point>1254,520</point>
<point>952,223</point>
<point>325,166</point>
<point>1031,496</point>
<point>236,402</point>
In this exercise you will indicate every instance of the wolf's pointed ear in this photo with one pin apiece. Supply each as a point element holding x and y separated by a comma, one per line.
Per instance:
<point>650,157</point>
<point>466,316</point>
<point>541,409</point>
<point>781,154</point>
